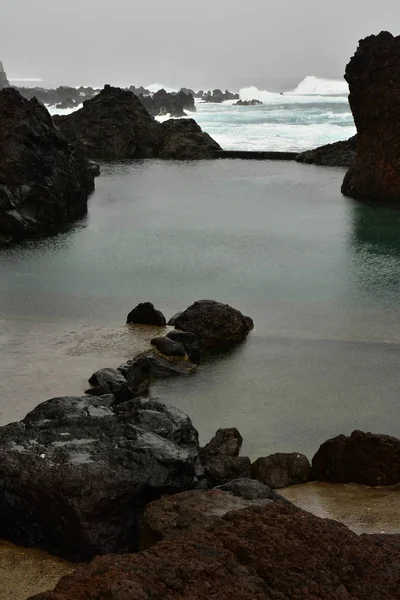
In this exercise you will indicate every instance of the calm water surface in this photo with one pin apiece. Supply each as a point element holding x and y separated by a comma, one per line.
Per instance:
<point>319,274</point>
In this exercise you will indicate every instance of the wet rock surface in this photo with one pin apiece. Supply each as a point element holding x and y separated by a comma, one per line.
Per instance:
<point>281,469</point>
<point>145,314</point>
<point>76,473</point>
<point>183,139</point>
<point>250,489</point>
<point>189,341</point>
<point>44,183</point>
<point>366,458</point>
<point>164,103</point>
<point>227,442</point>
<point>374,83</point>
<point>168,346</point>
<point>221,469</point>
<point>218,326</point>
<point>338,154</point>
<point>259,553</point>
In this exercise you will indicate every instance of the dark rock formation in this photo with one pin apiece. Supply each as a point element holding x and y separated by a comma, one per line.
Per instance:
<point>226,442</point>
<point>189,341</point>
<point>260,553</point>
<point>44,183</point>
<point>76,473</point>
<point>253,102</point>
<point>250,489</point>
<point>338,154</point>
<point>217,96</point>
<point>220,469</point>
<point>218,326</point>
<point>174,104</point>
<point>183,139</point>
<point>374,81</point>
<point>168,347</point>
<point>3,77</point>
<point>61,97</point>
<point>145,314</point>
<point>168,366</point>
<point>112,125</point>
<point>115,125</point>
<point>280,470</point>
<point>172,517</point>
<point>361,458</point>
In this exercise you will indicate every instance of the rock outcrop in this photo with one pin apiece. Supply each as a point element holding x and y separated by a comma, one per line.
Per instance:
<point>253,102</point>
<point>281,470</point>
<point>163,103</point>
<point>3,77</point>
<point>374,81</point>
<point>172,516</point>
<point>217,96</point>
<point>61,97</point>
<point>183,139</point>
<point>218,326</point>
<point>338,154</point>
<point>115,125</point>
<point>364,458</point>
<point>259,553</point>
<point>76,473</point>
<point>145,314</point>
<point>44,182</point>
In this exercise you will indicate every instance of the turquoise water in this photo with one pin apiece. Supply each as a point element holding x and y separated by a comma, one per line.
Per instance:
<point>319,274</point>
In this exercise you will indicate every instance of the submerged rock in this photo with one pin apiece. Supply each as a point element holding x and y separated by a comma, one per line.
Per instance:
<point>44,183</point>
<point>253,102</point>
<point>172,517</point>
<point>374,82</point>
<point>338,154</point>
<point>281,470</point>
<point>218,326</point>
<point>145,314</point>
<point>76,473</point>
<point>259,553</point>
<point>367,458</point>
<point>168,347</point>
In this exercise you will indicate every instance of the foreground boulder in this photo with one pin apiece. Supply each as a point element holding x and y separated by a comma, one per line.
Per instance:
<point>360,458</point>
<point>281,470</point>
<point>218,326</point>
<point>44,183</point>
<point>374,81</point>
<point>250,489</point>
<point>76,473</point>
<point>338,154</point>
<point>183,139</point>
<point>172,516</point>
<point>115,125</point>
<point>145,314</point>
<point>260,553</point>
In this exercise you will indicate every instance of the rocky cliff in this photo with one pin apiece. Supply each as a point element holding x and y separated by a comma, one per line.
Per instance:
<point>3,77</point>
<point>373,76</point>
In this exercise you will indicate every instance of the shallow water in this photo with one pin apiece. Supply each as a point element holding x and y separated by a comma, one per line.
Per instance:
<point>318,273</point>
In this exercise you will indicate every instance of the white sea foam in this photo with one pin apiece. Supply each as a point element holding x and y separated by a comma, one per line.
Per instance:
<point>321,87</point>
<point>155,87</point>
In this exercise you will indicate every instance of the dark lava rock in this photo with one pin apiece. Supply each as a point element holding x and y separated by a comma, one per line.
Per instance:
<point>112,125</point>
<point>172,103</point>
<point>189,341</point>
<point>280,470</point>
<point>338,154</point>
<point>146,314</point>
<point>247,103</point>
<point>76,473</point>
<point>218,326</point>
<point>367,458</point>
<point>250,489</point>
<point>183,139</point>
<point>217,96</point>
<point>222,469</point>
<point>44,184</point>
<point>133,382</point>
<point>111,379</point>
<point>260,553</point>
<point>162,366</point>
<point>3,77</point>
<point>373,76</point>
<point>226,442</point>
<point>168,347</point>
<point>172,517</point>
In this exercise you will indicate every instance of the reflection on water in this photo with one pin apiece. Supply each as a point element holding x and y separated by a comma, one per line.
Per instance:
<point>318,273</point>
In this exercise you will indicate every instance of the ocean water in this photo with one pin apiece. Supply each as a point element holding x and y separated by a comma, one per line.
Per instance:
<point>319,274</point>
<point>316,112</point>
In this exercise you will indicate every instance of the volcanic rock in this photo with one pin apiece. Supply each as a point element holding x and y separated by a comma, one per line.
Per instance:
<point>374,81</point>
<point>44,183</point>
<point>183,139</point>
<point>281,470</point>
<point>146,314</point>
<point>189,341</point>
<point>168,347</point>
<point>260,553</point>
<point>338,154</point>
<point>250,489</point>
<point>76,473</point>
<point>366,458</point>
<point>226,442</point>
<point>222,469</point>
<point>218,326</point>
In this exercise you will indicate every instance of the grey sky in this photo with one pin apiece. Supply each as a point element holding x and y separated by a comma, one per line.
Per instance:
<point>200,44</point>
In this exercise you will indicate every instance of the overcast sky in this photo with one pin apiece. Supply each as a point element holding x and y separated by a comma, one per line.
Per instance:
<point>223,43</point>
